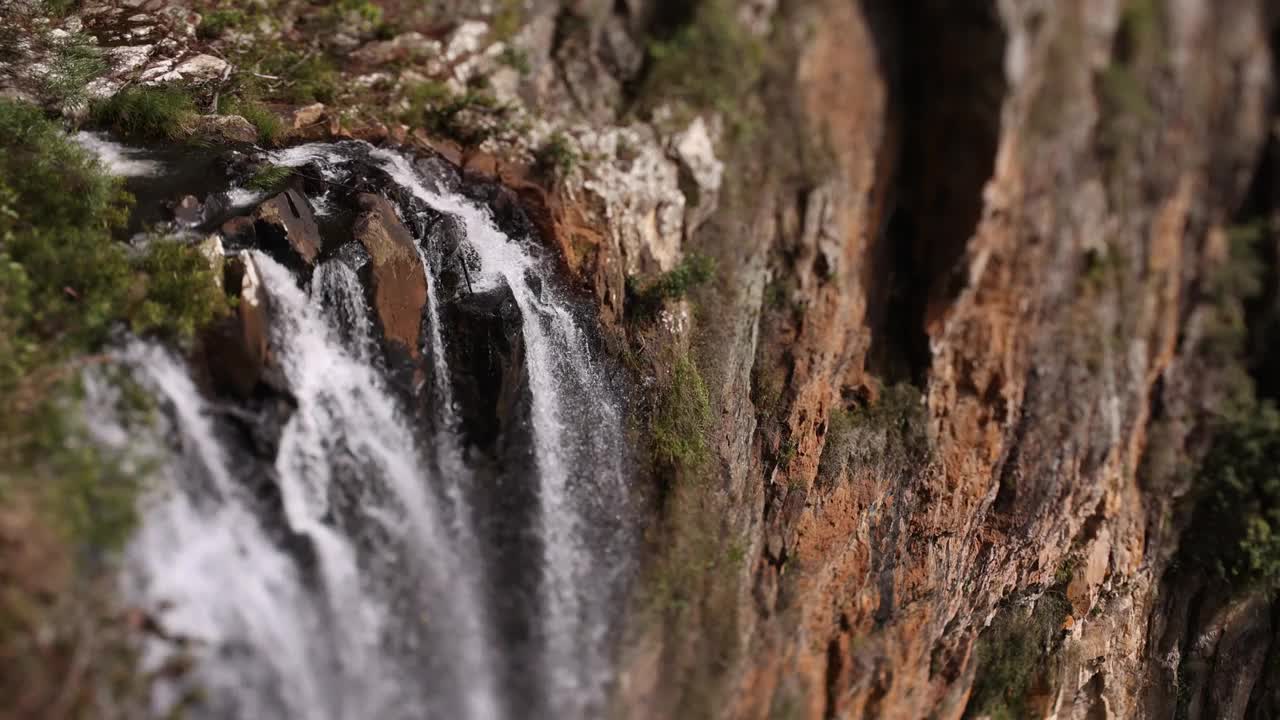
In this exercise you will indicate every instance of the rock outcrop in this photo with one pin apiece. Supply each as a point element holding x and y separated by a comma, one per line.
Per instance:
<point>285,225</point>
<point>399,285</point>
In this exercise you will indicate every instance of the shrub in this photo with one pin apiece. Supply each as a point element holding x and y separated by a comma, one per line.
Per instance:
<point>216,22</point>
<point>470,117</point>
<point>555,156</point>
<point>710,62</point>
<point>269,125</point>
<point>146,113</point>
<point>1235,533</point>
<point>682,419</point>
<point>691,272</point>
<point>1013,652</point>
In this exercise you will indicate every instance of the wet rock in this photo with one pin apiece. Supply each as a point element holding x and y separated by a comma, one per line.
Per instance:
<point>286,227</point>
<point>239,231</point>
<point>224,128</point>
<point>188,210</point>
<point>398,283</point>
<point>236,348</point>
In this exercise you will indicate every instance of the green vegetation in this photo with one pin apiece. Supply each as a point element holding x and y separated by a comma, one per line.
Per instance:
<point>146,113</point>
<point>268,124</point>
<point>555,156</point>
<point>506,20</point>
<point>1015,651</point>
<point>516,59</point>
<point>708,62</point>
<point>269,178</point>
<point>693,271</point>
<point>75,63</point>
<point>682,420</point>
<point>216,22</point>
<point>889,436</point>
<point>1235,534</point>
<point>66,287</point>
<point>470,117</point>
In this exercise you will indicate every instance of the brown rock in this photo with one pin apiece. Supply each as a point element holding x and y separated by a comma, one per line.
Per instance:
<point>236,348</point>
<point>239,231</point>
<point>399,284</point>
<point>222,128</point>
<point>188,210</point>
<point>286,226</point>
<point>308,115</point>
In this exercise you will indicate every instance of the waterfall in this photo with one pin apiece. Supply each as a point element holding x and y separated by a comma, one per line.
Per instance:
<point>359,585</point>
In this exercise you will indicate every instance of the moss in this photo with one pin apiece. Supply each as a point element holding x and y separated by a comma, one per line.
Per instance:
<point>269,178</point>
<point>146,113</point>
<point>682,420</point>
<point>1017,650</point>
<point>516,59</point>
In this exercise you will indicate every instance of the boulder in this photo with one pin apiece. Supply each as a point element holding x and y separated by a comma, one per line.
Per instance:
<point>222,128</point>
<point>399,283</point>
<point>286,227</point>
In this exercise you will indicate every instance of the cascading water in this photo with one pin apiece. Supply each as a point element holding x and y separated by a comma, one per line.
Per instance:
<point>371,578</point>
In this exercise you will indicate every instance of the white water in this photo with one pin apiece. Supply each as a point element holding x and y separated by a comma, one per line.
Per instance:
<point>119,160</point>
<point>365,592</point>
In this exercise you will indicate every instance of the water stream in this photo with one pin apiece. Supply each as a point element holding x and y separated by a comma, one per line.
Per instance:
<point>379,564</point>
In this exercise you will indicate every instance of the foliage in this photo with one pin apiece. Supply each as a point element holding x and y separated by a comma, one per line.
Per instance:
<point>216,22</point>
<point>556,155</point>
<point>268,124</point>
<point>66,286</point>
<point>682,419</point>
<point>269,178</point>
<point>74,64</point>
<point>507,19</point>
<point>693,271</point>
<point>709,62</point>
<point>1235,534</point>
<point>516,59</point>
<point>1014,651</point>
<point>146,113</point>
<point>470,117</point>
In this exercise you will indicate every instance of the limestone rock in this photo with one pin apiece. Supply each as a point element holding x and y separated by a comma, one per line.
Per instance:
<point>222,128</point>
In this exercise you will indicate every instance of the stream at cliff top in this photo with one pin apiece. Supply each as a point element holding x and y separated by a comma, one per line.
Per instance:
<point>369,537</point>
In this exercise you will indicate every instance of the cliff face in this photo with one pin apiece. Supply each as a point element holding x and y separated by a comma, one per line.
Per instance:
<point>963,356</point>
<point>933,312</point>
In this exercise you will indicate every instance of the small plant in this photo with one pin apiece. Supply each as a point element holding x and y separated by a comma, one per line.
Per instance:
<point>710,62</point>
<point>555,156</point>
<point>682,419</point>
<point>75,63</point>
<point>516,59</point>
<point>217,22</point>
<point>269,178</point>
<point>159,113</point>
<point>693,271</point>
<point>889,436</point>
<point>268,124</point>
<point>1013,652</point>
<point>470,117</point>
<point>1236,530</point>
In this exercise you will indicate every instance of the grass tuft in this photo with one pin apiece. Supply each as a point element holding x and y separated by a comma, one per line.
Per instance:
<point>682,420</point>
<point>146,113</point>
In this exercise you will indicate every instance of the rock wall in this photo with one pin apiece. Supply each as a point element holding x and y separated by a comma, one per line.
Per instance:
<point>1004,217</point>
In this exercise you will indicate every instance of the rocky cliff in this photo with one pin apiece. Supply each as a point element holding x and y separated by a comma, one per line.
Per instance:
<point>948,324</point>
